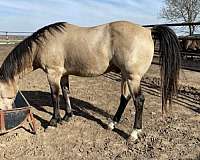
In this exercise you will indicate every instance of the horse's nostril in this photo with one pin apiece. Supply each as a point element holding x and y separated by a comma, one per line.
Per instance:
<point>13,105</point>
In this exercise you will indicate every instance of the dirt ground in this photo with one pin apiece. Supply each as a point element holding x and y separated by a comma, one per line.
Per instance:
<point>94,101</point>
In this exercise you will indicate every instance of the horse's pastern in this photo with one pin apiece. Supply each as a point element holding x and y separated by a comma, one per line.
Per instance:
<point>68,117</point>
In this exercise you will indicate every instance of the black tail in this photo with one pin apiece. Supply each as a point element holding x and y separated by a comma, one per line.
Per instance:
<point>170,63</point>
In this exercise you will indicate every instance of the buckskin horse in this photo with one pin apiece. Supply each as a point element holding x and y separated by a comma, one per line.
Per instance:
<point>63,49</point>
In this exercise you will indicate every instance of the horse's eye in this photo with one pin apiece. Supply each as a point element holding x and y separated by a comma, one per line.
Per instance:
<point>9,97</point>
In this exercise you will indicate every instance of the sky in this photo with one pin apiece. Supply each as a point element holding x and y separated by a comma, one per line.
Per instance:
<point>30,15</point>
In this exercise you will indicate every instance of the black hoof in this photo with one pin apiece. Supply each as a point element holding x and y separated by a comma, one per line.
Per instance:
<point>53,122</point>
<point>59,120</point>
<point>68,117</point>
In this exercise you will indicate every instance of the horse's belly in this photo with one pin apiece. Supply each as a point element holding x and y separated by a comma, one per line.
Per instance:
<point>87,69</point>
<point>85,72</point>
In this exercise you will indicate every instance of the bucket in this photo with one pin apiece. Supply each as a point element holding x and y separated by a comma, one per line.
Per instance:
<point>17,117</point>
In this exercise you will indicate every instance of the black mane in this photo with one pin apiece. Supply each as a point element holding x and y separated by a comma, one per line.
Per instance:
<point>22,55</point>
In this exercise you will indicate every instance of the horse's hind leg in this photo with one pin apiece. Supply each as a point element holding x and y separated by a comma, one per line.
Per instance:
<point>139,103</point>
<point>131,86</point>
<point>65,91</point>
<point>138,98</point>
<point>125,97</point>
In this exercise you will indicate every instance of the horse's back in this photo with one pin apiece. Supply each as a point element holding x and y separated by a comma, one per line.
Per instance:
<point>90,51</point>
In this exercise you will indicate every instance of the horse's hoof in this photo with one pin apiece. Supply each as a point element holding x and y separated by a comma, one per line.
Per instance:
<point>68,117</point>
<point>59,120</point>
<point>134,135</point>
<point>53,123</point>
<point>49,128</point>
<point>131,142</point>
<point>111,125</point>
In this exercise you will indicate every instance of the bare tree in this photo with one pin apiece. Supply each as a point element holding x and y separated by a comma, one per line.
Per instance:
<point>182,10</point>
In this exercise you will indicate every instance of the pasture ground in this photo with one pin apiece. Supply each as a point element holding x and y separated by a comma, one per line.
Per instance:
<point>94,101</point>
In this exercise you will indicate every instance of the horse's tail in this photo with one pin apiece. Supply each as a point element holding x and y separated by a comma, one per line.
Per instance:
<point>169,61</point>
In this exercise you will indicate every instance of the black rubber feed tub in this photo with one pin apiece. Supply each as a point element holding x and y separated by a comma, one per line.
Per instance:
<point>17,117</point>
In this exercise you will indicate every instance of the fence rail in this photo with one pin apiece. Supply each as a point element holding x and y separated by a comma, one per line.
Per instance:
<point>174,24</point>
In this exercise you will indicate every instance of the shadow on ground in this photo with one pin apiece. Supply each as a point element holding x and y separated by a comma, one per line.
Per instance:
<point>184,99</point>
<point>39,99</point>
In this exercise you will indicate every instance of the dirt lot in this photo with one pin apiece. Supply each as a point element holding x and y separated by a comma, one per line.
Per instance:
<point>94,101</point>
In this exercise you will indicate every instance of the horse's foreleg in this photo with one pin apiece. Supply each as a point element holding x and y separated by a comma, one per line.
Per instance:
<point>125,97</point>
<point>65,91</point>
<point>54,79</point>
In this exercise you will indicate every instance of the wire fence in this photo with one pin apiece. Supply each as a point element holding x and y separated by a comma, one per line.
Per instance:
<point>10,37</point>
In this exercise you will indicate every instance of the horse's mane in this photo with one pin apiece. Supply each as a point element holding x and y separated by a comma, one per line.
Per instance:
<point>23,55</point>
